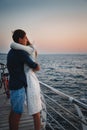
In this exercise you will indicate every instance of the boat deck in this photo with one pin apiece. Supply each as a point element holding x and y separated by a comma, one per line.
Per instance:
<point>26,122</point>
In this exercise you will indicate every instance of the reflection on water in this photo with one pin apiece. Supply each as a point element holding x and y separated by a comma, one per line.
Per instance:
<point>67,73</point>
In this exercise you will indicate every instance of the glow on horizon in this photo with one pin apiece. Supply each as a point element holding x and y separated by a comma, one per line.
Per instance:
<point>55,27</point>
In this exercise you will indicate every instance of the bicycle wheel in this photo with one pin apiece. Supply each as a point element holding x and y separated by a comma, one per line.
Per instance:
<point>6,88</point>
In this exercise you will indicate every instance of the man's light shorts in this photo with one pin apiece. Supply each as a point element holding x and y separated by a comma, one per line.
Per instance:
<point>17,98</point>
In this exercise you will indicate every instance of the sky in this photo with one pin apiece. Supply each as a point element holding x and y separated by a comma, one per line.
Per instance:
<point>54,26</point>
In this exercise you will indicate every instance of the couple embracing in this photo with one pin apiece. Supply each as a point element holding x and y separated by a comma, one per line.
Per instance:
<point>21,64</point>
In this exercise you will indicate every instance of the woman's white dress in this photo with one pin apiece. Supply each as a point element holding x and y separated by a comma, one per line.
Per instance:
<point>33,86</point>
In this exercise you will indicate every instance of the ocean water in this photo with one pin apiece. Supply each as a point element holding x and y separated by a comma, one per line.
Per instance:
<point>65,72</point>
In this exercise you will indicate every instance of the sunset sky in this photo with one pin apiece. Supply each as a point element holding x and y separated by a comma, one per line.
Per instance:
<point>54,26</point>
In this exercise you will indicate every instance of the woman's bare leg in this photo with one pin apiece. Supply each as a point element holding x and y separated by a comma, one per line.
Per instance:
<point>37,122</point>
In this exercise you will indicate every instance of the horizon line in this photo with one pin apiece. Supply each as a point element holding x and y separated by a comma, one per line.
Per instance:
<point>54,53</point>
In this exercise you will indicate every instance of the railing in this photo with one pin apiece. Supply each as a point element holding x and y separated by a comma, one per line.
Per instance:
<point>2,68</point>
<point>4,77</point>
<point>63,111</point>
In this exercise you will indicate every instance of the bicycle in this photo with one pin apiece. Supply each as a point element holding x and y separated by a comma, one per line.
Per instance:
<point>4,78</point>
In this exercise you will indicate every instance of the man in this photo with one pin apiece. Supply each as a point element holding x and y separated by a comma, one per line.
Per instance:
<point>17,81</point>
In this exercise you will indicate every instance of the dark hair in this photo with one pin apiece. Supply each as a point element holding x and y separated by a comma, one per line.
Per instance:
<point>18,34</point>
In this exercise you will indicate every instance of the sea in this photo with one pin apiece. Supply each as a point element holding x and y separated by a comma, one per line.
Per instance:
<point>65,72</point>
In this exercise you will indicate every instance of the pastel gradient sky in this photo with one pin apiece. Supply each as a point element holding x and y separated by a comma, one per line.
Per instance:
<point>54,26</point>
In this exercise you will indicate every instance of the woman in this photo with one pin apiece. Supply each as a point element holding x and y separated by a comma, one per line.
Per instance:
<point>33,87</point>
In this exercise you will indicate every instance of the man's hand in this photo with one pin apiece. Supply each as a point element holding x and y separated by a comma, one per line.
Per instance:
<point>37,68</point>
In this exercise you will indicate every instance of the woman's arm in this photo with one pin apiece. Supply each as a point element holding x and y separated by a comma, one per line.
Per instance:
<point>18,46</point>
